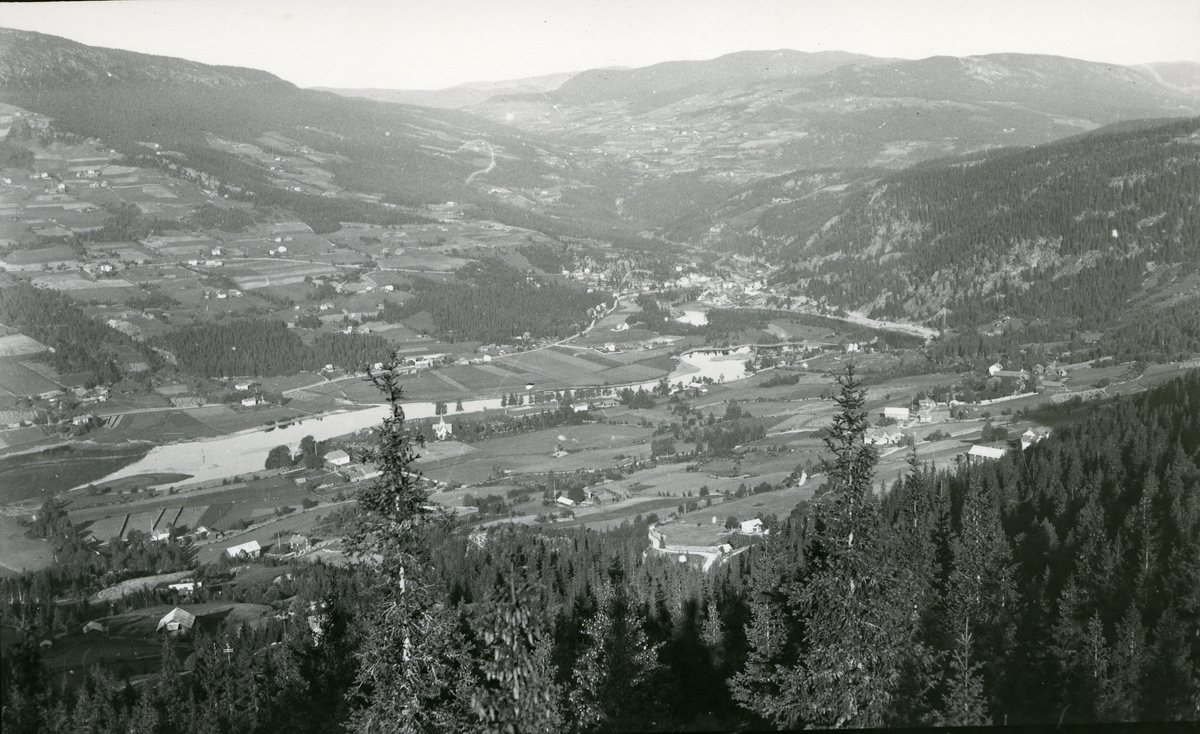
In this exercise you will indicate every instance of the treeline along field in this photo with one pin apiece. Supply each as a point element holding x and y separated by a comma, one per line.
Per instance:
<point>79,343</point>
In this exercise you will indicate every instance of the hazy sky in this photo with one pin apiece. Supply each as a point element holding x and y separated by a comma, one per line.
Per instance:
<point>404,44</point>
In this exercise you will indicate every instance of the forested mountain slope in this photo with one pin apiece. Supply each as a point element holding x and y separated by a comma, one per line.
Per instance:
<point>1076,233</point>
<point>212,115</point>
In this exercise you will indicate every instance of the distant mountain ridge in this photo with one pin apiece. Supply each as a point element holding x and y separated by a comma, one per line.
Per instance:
<point>746,125</point>
<point>1181,75</point>
<point>400,153</point>
<point>666,82</point>
<point>661,83</point>
<point>704,152</point>
<point>29,59</point>
<point>459,96</point>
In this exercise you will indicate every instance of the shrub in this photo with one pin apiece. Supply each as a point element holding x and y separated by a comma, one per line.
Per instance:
<point>994,433</point>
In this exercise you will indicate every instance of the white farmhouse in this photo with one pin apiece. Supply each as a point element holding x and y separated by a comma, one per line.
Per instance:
<point>986,452</point>
<point>752,527</point>
<point>176,621</point>
<point>337,458</point>
<point>245,550</point>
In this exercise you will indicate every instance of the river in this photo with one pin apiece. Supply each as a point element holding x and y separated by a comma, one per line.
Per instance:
<point>725,365</point>
<point>246,451</point>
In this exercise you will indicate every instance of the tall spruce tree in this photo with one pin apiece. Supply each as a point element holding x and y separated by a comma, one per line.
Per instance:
<point>981,591</point>
<point>912,549</point>
<point>516,693</point>
<point>855,628</point>
<point>25,694</point>
<point>964,703</point>
<point>1129,660</point>
<point>414,673</point>
<point>610,684</point>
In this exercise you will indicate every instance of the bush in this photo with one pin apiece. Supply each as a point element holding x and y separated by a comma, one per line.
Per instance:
<point>779,379</point>
<point>994,433</point>
<point>639,400</point>
<point>308,503</point>
<point>662,447</point>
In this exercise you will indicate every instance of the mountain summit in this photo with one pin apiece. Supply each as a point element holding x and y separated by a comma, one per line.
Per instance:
<point>36,60</point>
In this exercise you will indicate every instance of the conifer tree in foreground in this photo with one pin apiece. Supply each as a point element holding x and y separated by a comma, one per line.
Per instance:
<point>846,606</point>
<point>414,673</point>
<point>417,672</point>
<point>516,692</point>
<point>964,701</point>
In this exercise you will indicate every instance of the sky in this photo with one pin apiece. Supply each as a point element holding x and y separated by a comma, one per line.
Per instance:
<point>433,44</point>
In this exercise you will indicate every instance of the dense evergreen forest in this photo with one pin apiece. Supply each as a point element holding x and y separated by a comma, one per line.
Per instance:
<point>546,258</point>
<point>1060,583</point>
<point>128,224</point>
<point>266,348</point>
<point>80,344</point>
<point>1061,233</point>
<point>494,303</point>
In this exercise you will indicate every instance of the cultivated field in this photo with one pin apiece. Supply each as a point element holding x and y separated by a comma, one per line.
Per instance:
<point>19,552</point>
<point>21,380</point>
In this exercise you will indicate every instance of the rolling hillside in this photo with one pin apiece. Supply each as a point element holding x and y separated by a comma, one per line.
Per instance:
<point>748,150</point>
<point>1087,233</point>
<point>779,111</point>
<point>222,119</point>
<point>700,132</point>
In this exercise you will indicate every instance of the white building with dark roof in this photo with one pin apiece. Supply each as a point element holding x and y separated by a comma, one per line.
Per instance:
<point>245,550</point>
<point>177,621</point>
<point>337,458</point>
<point>986,452</point>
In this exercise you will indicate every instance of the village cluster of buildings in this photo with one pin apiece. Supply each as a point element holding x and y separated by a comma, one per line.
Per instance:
<point>340,461</point>
<point>1042,378</point>
<point>898,420</point>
